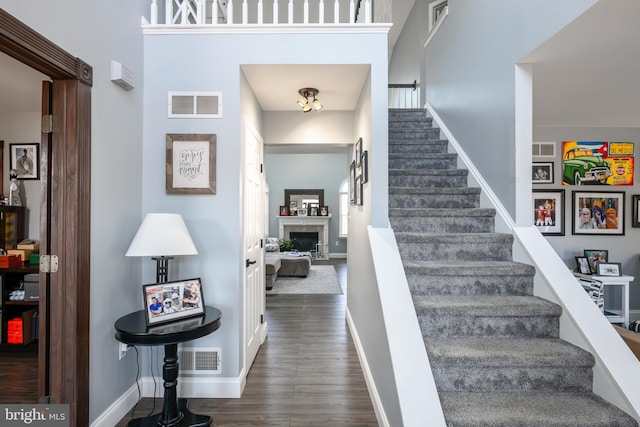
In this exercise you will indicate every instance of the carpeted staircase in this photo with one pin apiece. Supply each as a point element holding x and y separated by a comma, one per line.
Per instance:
<point>494,348</point>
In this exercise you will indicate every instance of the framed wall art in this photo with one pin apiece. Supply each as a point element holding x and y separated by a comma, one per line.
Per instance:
<point>358,153</point>
<point>365,167</point>
<point>542,172</point>
<point>352,182</point>
<point>598,212</point>
<point>191,163</point>
<point>171,301</point>
<point>635,221</point>
<point>548,211</point>
<point>25,160</point>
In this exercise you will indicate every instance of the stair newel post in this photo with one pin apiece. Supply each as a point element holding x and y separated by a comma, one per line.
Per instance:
<point>230,12</point>
<point>321,12</point>
<point>336,12</point>
<point>154,12</point>
<point>275,12</point>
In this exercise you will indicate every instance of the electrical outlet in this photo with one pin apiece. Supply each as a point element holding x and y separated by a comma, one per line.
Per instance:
<point>337,243</point>
<point>122,350</point>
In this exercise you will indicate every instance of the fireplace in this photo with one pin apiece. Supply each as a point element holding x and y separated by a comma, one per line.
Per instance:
<point>304,240</point>
<point>318,225</point>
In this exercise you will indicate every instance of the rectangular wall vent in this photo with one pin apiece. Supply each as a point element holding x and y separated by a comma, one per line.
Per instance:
<point>199,360</point>
<point>204,105</point>
<point>544,149</point>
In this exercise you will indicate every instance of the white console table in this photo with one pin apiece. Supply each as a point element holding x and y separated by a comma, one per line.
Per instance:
<point>616,297</point>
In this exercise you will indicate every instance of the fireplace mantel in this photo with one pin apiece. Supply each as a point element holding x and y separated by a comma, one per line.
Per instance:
<point>287,224</point>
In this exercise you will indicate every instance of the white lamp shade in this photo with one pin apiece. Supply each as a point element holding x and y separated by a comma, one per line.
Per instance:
<point>162,234</point>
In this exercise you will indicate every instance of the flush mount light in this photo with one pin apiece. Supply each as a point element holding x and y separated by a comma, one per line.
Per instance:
<point>308,100</point>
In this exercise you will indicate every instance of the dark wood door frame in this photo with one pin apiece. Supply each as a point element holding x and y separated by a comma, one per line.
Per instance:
<point>65,213</point>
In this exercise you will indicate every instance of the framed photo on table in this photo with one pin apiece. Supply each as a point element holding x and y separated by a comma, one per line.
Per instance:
<point>25,160</point>
<point>609,269</point>
<point>171,301</point>
<point>594,256</point>
<point>598,212</point>
<point>582,265</point>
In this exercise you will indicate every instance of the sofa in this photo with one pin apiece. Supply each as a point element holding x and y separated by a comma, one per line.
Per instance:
<point>285,264</point>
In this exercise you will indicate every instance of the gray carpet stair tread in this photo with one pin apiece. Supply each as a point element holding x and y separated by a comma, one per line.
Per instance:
<point>410,237</point>
<point>516,409</point>
<point>429,172</point>
<point>499,352</point>
<point>434,190</point>
<point>429,212</point>
<point>470,268</point>
<point>422,155</point>
<point>485,305</point>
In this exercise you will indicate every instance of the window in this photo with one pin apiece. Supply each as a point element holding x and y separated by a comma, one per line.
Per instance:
<point>343,200</point>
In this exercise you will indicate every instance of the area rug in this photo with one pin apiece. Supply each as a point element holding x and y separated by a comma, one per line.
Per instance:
<point>322,279</point>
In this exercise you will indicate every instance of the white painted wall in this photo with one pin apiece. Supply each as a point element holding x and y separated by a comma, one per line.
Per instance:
<point>103,31</point>
<point>318,127</point>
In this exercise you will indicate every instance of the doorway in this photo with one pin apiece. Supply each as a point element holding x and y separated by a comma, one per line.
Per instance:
<point>65,152</point>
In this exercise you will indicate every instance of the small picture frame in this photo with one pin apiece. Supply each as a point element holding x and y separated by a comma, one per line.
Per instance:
<point>172,301</point>
<point>284,211</point>
<point>548,211</point>
<point>324,210</point>
<point>358,153</point>
<point>635,221</point>
<point>582,265</point>
<point>595,256</point>
<point>352,182</point>
<point>313,211</point>
<point>365,167</point>
<point>302,211</point>
<point>609,269</point>
<point>25,160</point>
<point>542,172</point>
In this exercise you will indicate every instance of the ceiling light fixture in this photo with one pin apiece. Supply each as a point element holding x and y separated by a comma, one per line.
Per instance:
<point>308,104</point>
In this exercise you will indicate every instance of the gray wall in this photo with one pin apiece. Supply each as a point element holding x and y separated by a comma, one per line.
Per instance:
<point>470,78</point>
<point>322,171</point>
<point>103,31</point>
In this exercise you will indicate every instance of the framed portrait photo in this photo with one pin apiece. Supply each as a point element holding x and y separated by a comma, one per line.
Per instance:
<point>542,172</point>
<point>582,265</point>
<point>172,301</point>
<point>548,211</point>
<point>25,160</point>
<point>609,269</point>
<point>598,212</point>
<point>594,256</point>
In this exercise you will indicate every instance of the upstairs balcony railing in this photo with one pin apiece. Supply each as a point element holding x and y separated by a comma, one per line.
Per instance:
<point>258,12</point>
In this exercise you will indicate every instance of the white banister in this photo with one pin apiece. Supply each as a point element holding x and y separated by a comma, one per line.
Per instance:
<point>321,12</point>
<point>290,12</point>
<point>336,12</point>
<point>306,12</point>
<point>154,13</point>
<point>230,12</point>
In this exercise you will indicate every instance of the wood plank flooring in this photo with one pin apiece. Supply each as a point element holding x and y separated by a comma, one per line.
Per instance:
<point>18,377</point>
<point>306,373</point>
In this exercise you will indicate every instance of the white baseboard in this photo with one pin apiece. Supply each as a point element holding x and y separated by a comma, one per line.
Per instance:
<point>634,315</point>
<point>337,255</point>
<point>188,387</point>
<point>366,371</point>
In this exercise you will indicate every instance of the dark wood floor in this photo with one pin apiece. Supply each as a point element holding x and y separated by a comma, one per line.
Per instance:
<point>306,374</point>
<point>18,377</point>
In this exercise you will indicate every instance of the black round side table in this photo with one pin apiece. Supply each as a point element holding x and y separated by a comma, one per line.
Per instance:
<point>132,329</point>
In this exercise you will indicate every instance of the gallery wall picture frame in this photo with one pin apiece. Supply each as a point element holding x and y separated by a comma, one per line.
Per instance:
<point>582,265</point>
<point>548,211</point>
<point>609,269</point>
<point>365,166</point>
<point>359,191</point>
<point>173,301</point>
<point>598,213</point>
<point>25,160</point>
<point>594,256</point>
<point>635,221</point>
<point>352,182</point>
<point>542,172</point>
<point>358,153</point>
<point>190,163</point>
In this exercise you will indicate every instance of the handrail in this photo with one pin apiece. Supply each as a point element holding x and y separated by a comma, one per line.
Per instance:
<point>413,85</point>
<point>404,95</point>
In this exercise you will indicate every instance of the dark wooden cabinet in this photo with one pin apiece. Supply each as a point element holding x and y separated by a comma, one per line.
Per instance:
<point>11,226</point>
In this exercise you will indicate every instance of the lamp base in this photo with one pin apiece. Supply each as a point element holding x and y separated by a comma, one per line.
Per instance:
<point>162,268</point>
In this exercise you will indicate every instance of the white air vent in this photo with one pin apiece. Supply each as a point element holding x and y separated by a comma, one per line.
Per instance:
<point>204,105</point>
<point>544,149</point>
<point>199,360</point>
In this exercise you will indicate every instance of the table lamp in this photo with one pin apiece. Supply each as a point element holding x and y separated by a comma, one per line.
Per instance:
<point>162,236</point>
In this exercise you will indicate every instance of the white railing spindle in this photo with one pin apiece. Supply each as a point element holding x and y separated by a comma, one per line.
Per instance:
<point>154,12</point>
<point>200,12</point>
<point>290,11</point>
<point>214,12</point>
<point>321,12</point>
<point>245,12</point>
<point>367,10</point>
<point>260,17</point>
<point>275,12</point>
<point>230,12</point>
<point>183,12</point>
<point>336,12</point>
<point>306,12</point>
<point>352,11</point>
<point>168,11</point>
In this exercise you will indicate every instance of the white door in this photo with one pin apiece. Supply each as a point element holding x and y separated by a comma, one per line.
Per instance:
<point>254,295</point>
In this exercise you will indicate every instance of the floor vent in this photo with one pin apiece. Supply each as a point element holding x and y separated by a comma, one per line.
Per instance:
<point>199,360</point>
<point>204,105</point>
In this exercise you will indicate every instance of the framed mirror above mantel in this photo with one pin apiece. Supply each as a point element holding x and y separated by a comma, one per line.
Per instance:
<point>302,196</point>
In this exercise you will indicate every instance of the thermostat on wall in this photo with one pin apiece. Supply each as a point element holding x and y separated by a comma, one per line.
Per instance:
<point>122,76</point>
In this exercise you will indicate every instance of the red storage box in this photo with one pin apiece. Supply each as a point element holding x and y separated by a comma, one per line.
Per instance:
<point>14,331</point>
<point>7,261</point>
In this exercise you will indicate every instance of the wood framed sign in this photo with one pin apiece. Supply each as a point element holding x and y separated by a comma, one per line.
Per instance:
<point>191,164</point>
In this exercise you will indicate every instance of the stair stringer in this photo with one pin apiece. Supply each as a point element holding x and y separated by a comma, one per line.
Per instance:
<point>616,372</point>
